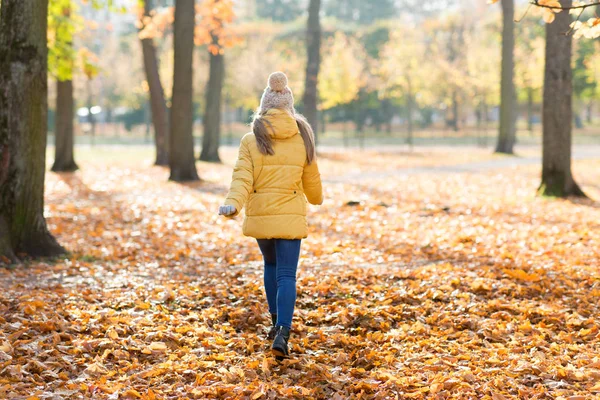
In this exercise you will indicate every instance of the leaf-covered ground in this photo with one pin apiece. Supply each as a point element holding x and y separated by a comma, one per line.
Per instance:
<point>434,285</point>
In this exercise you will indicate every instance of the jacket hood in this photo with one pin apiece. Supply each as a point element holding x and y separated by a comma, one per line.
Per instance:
<point>283,125</point>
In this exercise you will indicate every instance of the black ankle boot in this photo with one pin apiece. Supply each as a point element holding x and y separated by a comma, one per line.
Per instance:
<point>273,330</point>
<point>280,344</point>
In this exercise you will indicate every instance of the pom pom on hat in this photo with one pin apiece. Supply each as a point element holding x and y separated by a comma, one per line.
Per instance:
<point>278,81</point>
<point>278,94</point>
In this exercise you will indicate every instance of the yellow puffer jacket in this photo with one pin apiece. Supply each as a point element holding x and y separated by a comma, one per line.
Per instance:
<point>273,188</point>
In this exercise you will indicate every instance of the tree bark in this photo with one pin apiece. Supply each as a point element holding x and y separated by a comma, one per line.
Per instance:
<point>508,95</point>
<point>160,113</point>
<point>557,113</point>
<point>23,130</point>
<point>313,48</point>
<point>212,114</point>
<point>181,139</point>
<point>64,160</point>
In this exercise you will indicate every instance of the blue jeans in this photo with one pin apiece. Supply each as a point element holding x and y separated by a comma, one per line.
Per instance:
<point>281,262</point>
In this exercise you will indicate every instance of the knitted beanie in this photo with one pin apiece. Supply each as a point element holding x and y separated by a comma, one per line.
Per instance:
<point>277,94</point>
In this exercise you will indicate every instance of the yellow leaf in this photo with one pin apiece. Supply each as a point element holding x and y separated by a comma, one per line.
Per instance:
<point>112,333</point>
<point>479,285</point>
<point>132,393</point>
<point>96,369</point>
<point>149,395</point>
<point>158,346</point>
<point>258,393</point>
<point>265,367</point>
<point>550,3</point>
<point>140,305</point>
<point>549,16</point>
<point>521,275</point>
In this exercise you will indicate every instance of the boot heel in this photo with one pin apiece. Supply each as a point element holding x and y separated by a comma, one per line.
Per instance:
<point>279,355</point>
<point>280,344</point>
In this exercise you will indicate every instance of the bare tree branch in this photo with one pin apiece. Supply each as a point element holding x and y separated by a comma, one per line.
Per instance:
<point>579,7</point>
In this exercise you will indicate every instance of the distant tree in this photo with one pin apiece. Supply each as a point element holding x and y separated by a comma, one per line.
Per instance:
<point>158,105</point>
<point>279,10</point>
<point>557,178</point>
<point>508,96</point>
<point>405,72</point>
<point>212,114</point>
<point>482,80</point>
<point>89,65</point>
<point>529,62</point>
<point>592,70</point>
<point>249,65</point>
<point>181,140</point>
<point>342,72</point>
<point>23,129</point>
<point>374,37</point>
<point>584,88</point>
<point>61,28</point>
<point>448,40</point>
<point>212,31</point>
<point>313,49</point>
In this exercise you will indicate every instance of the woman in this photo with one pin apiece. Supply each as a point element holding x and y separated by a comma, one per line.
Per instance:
<point>275,173</point>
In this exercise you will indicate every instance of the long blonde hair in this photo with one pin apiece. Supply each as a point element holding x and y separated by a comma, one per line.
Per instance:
<point>265,143</point>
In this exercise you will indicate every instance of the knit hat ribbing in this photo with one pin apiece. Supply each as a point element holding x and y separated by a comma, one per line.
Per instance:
<point>277,94</point>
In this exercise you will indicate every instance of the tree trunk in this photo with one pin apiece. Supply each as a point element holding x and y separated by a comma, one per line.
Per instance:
<point>454,120</point>
<point>147,122</point>
<point>181,139</point>
<point>479,118</point>
<point>23,129</point>
<point>530,110</point>
<point>486,122</point>
<point>160,113</point>
<point>557,113</point>
<point>63,132</point>
<point>409,112</point>
<point>388,110</point>
<point>508,96</point>
<point>91,117</point>
<point>313,48</point>
<point>345,128</point>
<point>588,116</point>
<point>212,114</point>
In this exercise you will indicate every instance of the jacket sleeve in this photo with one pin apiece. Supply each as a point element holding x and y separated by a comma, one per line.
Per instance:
<point>311,182</point>
<point>242,180</point>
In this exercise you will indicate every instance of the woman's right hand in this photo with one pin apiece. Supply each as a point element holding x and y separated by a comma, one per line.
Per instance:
<point>227,210</point>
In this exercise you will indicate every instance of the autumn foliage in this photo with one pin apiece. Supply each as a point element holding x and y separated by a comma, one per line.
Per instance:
<point>415,283</point>
<point>213,18</point>
<point>589,28</point>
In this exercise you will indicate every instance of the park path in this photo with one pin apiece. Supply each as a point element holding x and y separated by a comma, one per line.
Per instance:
<point>579,153</point>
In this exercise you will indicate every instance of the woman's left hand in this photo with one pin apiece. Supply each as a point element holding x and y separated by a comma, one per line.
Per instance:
<point>227,210</point>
